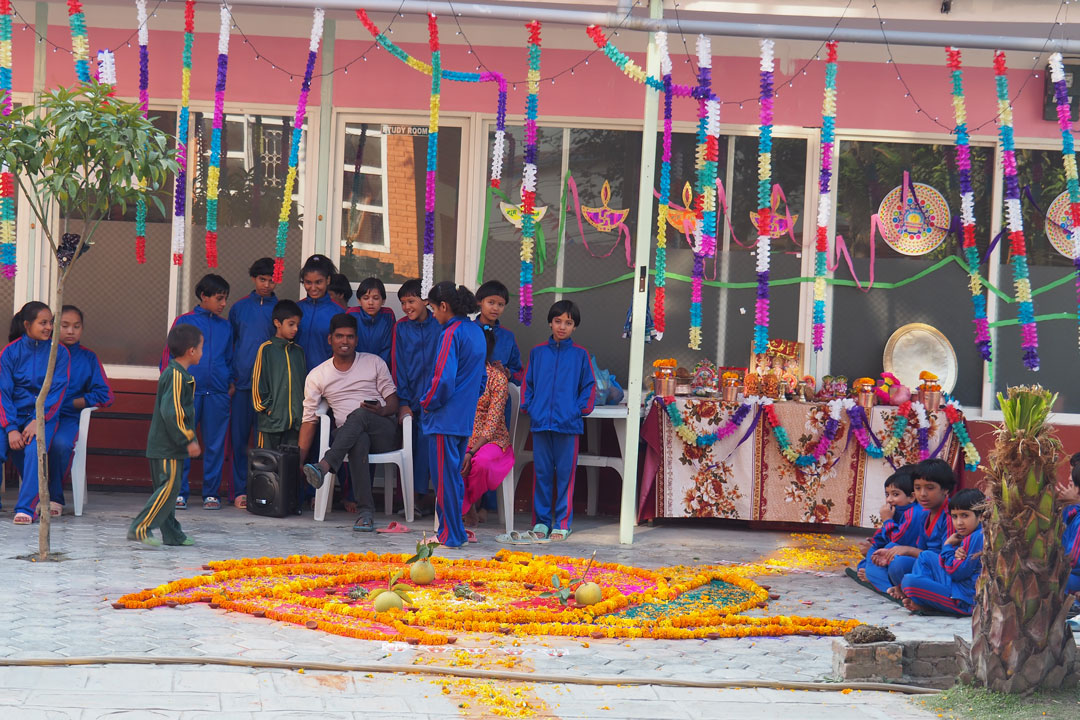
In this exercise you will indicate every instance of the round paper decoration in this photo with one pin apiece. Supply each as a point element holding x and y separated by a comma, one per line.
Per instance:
<point>1057,225</point>
<point>920,225</point>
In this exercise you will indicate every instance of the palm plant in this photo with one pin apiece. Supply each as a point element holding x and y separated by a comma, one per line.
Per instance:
<point>1020,639</point>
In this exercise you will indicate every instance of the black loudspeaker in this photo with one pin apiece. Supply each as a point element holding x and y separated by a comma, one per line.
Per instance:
<point>273,481</point>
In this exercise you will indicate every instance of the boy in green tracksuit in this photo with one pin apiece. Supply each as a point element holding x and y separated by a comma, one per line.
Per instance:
<point>277,382</point>
<point>171,439</point>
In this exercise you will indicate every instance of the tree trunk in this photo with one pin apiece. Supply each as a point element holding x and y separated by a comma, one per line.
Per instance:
<point>44,508</point>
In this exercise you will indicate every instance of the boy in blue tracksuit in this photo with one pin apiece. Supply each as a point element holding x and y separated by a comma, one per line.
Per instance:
<point>934,481</point>
<point>213,385</point>
<point>560,390</point>
<point>899,516</point>
<point>449,403</point>
<point>374,323</point>
<point>412,362</point>
<point>250,319</point>
<point>945,581</point>
<point>87,387</point>
<point>22,372</point>
<point>318,309</point>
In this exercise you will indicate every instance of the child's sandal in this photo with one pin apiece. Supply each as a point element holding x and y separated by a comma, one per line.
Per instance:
<point>558,535</point>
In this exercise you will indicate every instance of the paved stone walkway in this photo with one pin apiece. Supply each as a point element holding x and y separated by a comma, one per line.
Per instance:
<point>60,610</point>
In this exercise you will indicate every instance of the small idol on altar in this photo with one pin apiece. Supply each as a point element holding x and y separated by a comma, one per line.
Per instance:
<point>770,385</point>
<point>805,389</point>
<point>752,383</point>
<point>705,380</point>
<point>789,383</point>
<point>838,387</point>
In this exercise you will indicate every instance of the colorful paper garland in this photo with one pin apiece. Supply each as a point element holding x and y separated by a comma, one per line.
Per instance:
<point>660,267</point>
<point>428,276</point>
<point>705,162</point>
<point>7,178</point>
<point>821,248</point>
<point>959,427</point>
<point>294,147</point>
<point>824,444</point>
<point>967,204</point>
<point>5,57</point>
<point>687,434</point>
<point>765,103</point>
<point>528,177</point>
<point>144,103</point>
<point>180,193</point>
<point>80,44</point>
<point>1014,218</point>
<point>1068,157</point>
<point>213,171</point>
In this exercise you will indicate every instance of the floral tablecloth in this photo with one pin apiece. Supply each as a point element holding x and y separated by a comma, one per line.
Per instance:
<point>744,475</point>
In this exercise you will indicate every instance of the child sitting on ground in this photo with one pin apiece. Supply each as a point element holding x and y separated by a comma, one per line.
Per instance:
<point>945,581</point>
<point>374,323</point>
<point>340,289</point>
<point>933,481</point>
<point>899,516</point>
<point>277,381</point>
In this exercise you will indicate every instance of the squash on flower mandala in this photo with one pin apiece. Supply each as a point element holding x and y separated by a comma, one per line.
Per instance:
<point>393,596</point>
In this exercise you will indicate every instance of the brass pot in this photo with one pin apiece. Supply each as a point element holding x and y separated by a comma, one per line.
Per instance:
<point>731,392</point>
<point>867,399</point>
<point>664,386</point>
<point>931,399</point>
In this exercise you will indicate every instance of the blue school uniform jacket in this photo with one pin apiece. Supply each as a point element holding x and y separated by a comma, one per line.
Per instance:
<point>86,380</point>
<point>252,322</point>
<point>559,387</point>
<point>375,335</point>
<point>457,381</point>
<point>901,529</point>
<point>214,372</point>
<point>506,351</point>
<point>315,329</point>
<point>412,357</point>
<point>935,529</point>
<point>22,371</point>
<point>964,573</point>
<point>1070,539</point>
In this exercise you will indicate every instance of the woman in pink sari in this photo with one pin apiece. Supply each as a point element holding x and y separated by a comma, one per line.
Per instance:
<point>490,456</point>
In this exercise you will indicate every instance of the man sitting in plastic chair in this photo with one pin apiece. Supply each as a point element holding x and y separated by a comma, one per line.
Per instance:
<point>362,397</point>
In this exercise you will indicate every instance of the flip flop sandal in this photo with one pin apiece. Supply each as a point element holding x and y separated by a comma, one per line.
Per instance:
<point>211,503</point>
<point>55,509</point>
<point>540,531</point>
<point>240,502</point>
<point>181,503</point>
<point>393,527</point>
<point>516,538</point>
<point>559,535</point>
<point>471,536</point>
<point>364,525</point>
<point>23,519</point>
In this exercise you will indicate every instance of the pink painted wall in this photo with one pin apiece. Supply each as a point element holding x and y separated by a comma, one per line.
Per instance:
<point>870,96</point>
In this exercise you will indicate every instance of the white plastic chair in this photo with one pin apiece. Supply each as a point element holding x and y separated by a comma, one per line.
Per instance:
<point>78,463</point>
<point>402,458</point>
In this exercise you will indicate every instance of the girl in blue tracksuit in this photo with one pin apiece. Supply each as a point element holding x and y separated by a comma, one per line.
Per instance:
<point>87,387</point>
<point>412,361</point>
<point>250,319</point>
<point>560,390</point>
<point>449,402</point>
<point>22,371</point>
<point>374,323</point>
<point>213,385</point>
<point>318,308</point>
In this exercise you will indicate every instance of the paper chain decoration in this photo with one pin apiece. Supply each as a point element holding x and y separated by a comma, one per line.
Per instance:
<point>80,44</point>
<point>1014,219</point>
<point>967,204</point>
<point>1068,157</point>
<point>761,309</point>
<point>180,201</point>
<point>144,103</point>
<point>294,147</point>
<point>213,171</point>
<point>706,158</point>
<point>7,179</point>
<point>821,248</point>
<point>659,319</point>
<point>428,276</point>
<point>5,57</point>
<point>528,178</point>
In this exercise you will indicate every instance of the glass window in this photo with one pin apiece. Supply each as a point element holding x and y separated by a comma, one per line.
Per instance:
<point>116,293</point>
<point>254,163</point>
<point>861,323</point>
<point>383,183</point>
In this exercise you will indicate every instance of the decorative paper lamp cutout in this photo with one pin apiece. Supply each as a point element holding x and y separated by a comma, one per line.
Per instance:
<point>914,223</point>
<point>604,218</point>
<point>684,219</point>
<point>779,226</point>
<point>512,213</point>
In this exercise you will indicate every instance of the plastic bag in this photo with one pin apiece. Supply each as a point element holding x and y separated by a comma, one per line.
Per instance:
<point>608,390</point>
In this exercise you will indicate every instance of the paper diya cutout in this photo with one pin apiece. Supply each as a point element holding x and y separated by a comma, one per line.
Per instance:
<point>684,219</point>
<point>1058,225</point>
<point>914,223</point>
<point>604,218</point>
<point>779,225</point>
<point>513,213</point>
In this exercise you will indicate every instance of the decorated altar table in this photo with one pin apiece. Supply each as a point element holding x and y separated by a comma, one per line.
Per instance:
<point>747,473</point>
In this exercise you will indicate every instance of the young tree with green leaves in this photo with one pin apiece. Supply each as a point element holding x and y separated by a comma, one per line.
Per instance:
<point>76,155</point>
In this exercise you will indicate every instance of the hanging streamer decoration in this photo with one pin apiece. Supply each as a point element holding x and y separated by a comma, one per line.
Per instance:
<point>498,149</point>
<point>144,103</point>
<point>180,203</point>
<point>7,178</point>
<point>213,171</point>
<point>428,277</point>
<point>294,145</point>
<point>660,281</point>
<point>80,44</point>
<point>761,309</point>
<point>1014,219</point>
<point>706,160</point>
<point>5,57</point>
<point>967,203</point>
<point>528,178</point>
<point>821,248</point>
<point>1068,157</point>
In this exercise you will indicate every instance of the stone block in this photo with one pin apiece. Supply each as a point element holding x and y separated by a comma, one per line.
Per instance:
<point>947,666</point>
<point>888,653</point>
<point>920,668</point>
<point>936,650</point>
